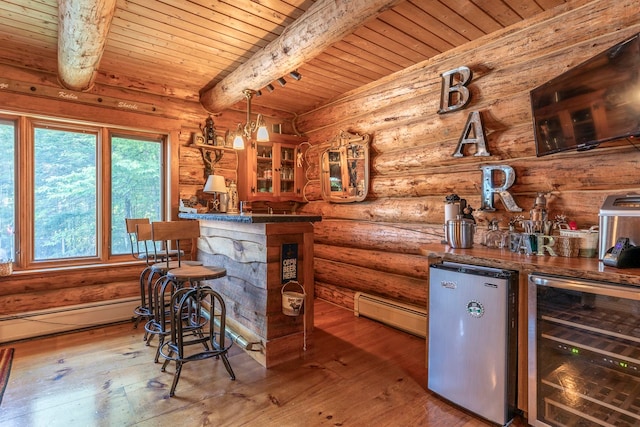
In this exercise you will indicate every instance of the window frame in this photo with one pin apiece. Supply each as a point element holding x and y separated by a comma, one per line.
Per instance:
<point>147,136</point>
<point>14,120</point>
<point>24,187</point>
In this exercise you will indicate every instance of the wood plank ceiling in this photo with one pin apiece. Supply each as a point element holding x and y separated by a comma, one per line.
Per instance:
<point>182,48</point>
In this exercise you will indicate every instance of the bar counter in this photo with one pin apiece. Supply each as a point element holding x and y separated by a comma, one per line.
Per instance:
<point>583,268</point>
<point>251,218</point>
<point>253,248</point>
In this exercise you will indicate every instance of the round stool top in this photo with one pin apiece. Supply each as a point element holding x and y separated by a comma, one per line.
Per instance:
<point>162,266</point>
<point>196,273</point>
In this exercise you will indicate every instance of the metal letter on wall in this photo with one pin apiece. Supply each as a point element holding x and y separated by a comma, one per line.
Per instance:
<point>289,262</point>
<point>455,94</point>
<point>489,188</point>
<point>473,126</point>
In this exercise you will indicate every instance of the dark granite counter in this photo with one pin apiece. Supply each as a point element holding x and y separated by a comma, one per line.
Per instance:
<point>250,218</point>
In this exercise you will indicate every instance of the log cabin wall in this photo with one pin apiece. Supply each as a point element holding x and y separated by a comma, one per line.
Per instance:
<point>27,291</point>
<point>373,246</point>
<point>38,93</point>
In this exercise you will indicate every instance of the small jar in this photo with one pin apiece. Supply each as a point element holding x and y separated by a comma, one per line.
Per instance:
<point>494,237</point>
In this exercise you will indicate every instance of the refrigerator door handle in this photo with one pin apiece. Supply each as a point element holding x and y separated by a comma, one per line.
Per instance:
<point>589,287</point>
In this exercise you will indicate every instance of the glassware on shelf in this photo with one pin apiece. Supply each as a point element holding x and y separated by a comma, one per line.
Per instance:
<point>494,237</point>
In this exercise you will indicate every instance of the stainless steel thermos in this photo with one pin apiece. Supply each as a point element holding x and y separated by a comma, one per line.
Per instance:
<point>459,232</point>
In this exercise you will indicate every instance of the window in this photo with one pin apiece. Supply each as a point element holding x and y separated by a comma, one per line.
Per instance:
<point>136,185</point>
<point>65,194</point>
<point>79,183</point>
<point>7,190</point>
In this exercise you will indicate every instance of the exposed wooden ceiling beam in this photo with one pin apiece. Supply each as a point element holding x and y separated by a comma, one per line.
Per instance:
<point>83,27</point>
<point>323,24</point>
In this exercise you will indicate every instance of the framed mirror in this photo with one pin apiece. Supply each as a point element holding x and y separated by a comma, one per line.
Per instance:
<point>345,168</point>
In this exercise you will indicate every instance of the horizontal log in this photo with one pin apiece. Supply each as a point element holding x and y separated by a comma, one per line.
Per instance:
<point>71,295</point>
<point>531,175</point>
<point>402,210</point>
<point>400,288</point>
<point>384,262</point>
<point>414,215</point>
<point>39,281</point>
<point>82,35</point>
<point>376,236</point>
<point>335,294</point>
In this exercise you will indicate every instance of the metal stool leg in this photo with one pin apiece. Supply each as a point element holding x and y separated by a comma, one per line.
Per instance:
<point>184,302</point>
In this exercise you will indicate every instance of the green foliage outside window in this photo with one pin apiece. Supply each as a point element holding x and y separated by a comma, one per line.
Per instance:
<point>136,189</point>
<point>67,199</point>
<point>7,193</point>
<point>65,183</point>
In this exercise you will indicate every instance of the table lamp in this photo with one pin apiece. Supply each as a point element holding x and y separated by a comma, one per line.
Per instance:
<point>216,185</point>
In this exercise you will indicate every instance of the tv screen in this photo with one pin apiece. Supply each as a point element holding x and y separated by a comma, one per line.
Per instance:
<point>594,102</point>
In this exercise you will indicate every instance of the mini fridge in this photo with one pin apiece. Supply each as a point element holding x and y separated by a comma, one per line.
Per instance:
<point>472,353</point>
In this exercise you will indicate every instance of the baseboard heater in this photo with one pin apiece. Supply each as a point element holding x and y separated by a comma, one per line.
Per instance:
<point>64,319</point>
<point>406,317</point>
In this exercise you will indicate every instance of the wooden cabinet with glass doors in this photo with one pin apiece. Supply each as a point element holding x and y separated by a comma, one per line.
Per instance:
<point>269,171</point>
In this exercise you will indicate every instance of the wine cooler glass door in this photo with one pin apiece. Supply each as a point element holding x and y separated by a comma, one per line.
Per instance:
<point>584,353</point>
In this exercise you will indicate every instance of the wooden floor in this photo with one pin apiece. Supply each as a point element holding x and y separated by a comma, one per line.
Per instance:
<point>357,373</point>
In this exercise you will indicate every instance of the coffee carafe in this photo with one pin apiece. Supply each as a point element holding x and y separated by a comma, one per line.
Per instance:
<point>454,208</point>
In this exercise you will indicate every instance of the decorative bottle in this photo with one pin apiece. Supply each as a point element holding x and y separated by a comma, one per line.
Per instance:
<point>233,198</point>
<point>493,238</point>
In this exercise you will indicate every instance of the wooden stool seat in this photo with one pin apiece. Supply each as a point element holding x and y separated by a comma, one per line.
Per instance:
<point>196,274</point>
<point>163,267</point>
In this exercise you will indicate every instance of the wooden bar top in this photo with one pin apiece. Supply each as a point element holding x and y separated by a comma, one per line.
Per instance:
<point>583,268</point>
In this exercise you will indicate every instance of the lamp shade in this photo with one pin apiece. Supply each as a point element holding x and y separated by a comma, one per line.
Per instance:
<point>215,184</point>
<point>262,134</point>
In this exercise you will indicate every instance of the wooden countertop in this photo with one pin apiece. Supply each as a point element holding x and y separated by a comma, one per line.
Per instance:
<point>583,268</point>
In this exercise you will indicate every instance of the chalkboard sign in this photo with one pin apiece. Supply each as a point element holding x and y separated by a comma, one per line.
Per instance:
<point>289,262</point>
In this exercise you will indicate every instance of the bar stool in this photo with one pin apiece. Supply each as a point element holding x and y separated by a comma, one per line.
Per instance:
<point>164,287</point>
<point>144,248</point>
<point>159,262</point>
<point>205,308</point>
<point>139,251</point>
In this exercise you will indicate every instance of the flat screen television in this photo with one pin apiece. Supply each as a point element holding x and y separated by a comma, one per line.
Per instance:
<point>594,102</point>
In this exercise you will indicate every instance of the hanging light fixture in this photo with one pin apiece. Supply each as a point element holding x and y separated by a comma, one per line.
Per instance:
<point>281,81</point>
<point>295,75</point>
<point>244,132</point>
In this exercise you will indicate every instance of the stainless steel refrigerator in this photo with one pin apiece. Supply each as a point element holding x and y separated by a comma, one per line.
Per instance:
<point>473,338</point>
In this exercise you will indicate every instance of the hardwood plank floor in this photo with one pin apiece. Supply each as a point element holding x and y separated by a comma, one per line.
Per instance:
<point>357,373</point>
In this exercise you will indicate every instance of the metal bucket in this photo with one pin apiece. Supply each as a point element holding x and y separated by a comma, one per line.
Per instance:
<point>292,302</point>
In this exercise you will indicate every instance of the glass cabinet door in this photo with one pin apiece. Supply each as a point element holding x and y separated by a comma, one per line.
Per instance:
<point>264,168</point>
<point>287,169</point>
<point>272,171</point>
